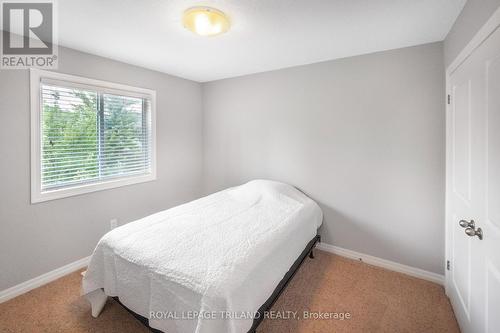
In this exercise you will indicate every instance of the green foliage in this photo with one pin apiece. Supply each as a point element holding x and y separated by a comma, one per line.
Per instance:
<point>69,139</point>
<point>79,143</point>
<point>123,135</point>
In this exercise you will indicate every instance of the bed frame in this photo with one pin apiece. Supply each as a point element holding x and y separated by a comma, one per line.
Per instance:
<point>308,251</point>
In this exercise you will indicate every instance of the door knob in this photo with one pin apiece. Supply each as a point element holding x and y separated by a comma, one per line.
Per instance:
<point>467,224</point>
<point>474,232</point>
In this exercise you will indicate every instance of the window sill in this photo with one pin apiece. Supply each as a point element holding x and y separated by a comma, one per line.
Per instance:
<point>38,196</point>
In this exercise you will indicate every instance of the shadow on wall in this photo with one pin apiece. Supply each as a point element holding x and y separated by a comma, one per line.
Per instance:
<point>358,236</point>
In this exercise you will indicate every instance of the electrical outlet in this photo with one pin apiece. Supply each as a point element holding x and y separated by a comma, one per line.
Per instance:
<point>113,223</point>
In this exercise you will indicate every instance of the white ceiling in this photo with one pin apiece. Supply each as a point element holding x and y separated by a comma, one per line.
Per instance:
<point>265,34</point>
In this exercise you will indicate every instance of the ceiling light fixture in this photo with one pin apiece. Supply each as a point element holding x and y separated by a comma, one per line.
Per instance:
<point>205,21</point>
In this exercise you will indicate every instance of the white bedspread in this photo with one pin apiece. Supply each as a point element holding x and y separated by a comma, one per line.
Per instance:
<point>221,255</point>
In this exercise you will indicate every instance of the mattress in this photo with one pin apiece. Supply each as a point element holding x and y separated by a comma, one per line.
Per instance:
<point>208,265</point>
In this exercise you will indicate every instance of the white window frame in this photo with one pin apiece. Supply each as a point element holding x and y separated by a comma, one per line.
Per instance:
<point>66,80</point>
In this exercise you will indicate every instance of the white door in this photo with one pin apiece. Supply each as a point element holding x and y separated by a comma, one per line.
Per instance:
<point>473,189</point>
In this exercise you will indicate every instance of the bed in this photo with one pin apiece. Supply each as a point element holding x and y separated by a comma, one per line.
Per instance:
<point>211,265</point>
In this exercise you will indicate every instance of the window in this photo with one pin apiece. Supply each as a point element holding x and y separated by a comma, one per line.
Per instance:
<point>88,135</point>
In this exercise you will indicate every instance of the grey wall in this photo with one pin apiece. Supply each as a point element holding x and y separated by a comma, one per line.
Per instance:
<point>35,239</point>
<point>470,20</point>
<point>363,136</point>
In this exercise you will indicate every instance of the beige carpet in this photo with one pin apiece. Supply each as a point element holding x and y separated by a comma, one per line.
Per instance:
<point>377,300</point>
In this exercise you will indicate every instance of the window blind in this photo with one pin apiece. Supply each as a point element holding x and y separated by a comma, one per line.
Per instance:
<point>91,136</point>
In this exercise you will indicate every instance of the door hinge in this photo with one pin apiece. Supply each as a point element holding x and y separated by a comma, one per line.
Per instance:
<point>449,99</point>
<point>448,264</point>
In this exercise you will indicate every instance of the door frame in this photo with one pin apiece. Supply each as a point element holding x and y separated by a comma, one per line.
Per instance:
<point>484,32</point>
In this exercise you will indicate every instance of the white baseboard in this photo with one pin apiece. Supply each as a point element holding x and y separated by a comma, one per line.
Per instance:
<point>387,264</point>
<point>26,286</point>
